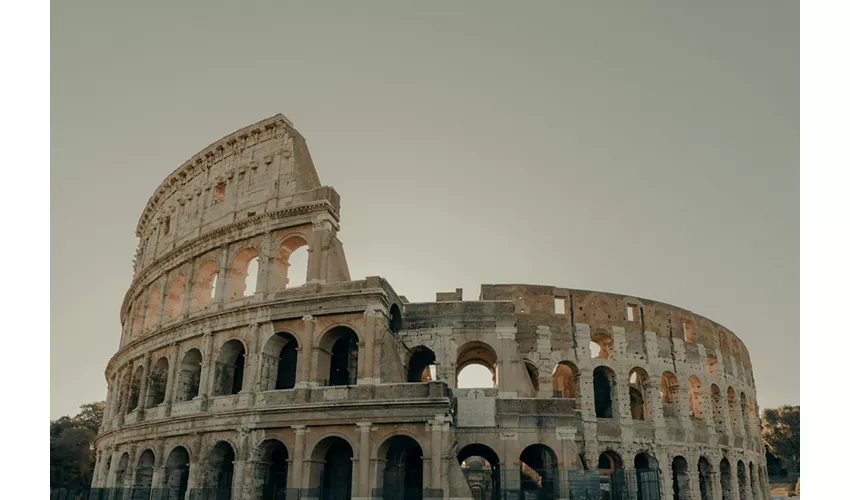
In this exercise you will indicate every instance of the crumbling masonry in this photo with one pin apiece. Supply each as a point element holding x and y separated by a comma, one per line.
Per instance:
<point>241,376</point>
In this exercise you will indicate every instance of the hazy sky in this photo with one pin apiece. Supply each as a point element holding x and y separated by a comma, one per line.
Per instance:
<point>617,146</point>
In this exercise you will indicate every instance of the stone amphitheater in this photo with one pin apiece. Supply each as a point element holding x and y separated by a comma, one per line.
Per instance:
<point>252,366</point>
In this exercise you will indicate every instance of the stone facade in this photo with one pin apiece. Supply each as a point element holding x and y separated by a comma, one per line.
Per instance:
<point>231,381</point>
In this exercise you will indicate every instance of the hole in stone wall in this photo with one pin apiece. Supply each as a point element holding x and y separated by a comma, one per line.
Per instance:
<point>688,328</point>
<point>631,312</point>
<point>560,306</point>
<point>218,195</point>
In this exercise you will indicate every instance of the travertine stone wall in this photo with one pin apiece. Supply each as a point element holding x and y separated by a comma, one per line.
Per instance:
<point>304,388</point>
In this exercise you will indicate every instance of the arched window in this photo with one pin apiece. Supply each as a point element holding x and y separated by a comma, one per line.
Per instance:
<point>733,410</point>
<point>272,470</point>
<point>669,394</point>
<point>157,382</point>
<point>289,269</point>
<point>395,319</point>
<point>646,472</point>
<point>604,392</point>
<point>533,377</point>
<point>238,278</point>
<point>122,472</point>
<point>717,408</point>
<point>745,412</point>
<point>695,396</point>
<point>742,479</point>
<point>330,469</point>
<point>421,367</point>
<point>482,469</point>
<point>402,470</point>
<point>565,381</point>
<point>726,481</point>
<point>338,356</point>
<point>123,387</point>
<point>706,490</point>
<point>601,346</point>
<point>177,473</point>
<point>144,475</point>
<point>229,368</point>
<point>203,291</point>
<point>174,298</point>
<point>280,362</point>
<point>152,309</point>
<point>681,481</point>
<point>189,376</point>
<point>638,400</point>
<point>135,388</point>
<point>610,467</point>
<point>539,472</point>
<point>219,471</point>
<point>476,366</point>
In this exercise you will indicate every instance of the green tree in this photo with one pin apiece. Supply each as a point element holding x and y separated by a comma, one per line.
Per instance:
<point>782,435</point>
<point>72,447</point>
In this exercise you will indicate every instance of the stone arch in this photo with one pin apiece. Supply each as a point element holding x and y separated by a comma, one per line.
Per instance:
<point>605,392</point>
<point>173,304</point>
<point>421,366</point>
<point>204,287</point>
<point>565,381</point>
<point>726,481</point>
<point>695,396</point>
<point>339,348</point>
<point>754,483</point>
<point>601,345</point>
<point>539,472</point>
<point>135,389</point>
<point>239,276</point>
<point>122,472</point>
<point>123,387</point>
<point>669,394</point>
<point>396,319</point>
<point>218,470</point>
<point>152,308</point>
<point>476,353</point>
<point>646,473</point>
<point>177,472</point>
<point>639,394</point>
<point>157,382</point>
<point>533,376</point>
<point>144,474</point>
<point>400,469</point>
<point>271,469</point>
<point>189,376</point>
<point>704,470</point>
<point>681,479</point>
<point>745,414</point>
<point>717,408</point>
<point>610,467</point>
<point>742,479</point>
<point>279,362</point>
<point>731,401</point>
<point>331,470</point>
<point>230,368</point>
<point>289,265</point>
<point>488,476</point>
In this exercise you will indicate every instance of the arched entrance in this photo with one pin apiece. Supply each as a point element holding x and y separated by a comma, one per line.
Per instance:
<point>402,472</point>
<point>219,471</point>
<point>539,473</point>
<point>421,367</point>
<point>681,481</point>
<point>647,477</point>
<point>482,469</point>
<point>270,471</point>
<point>331,469</point>
<point>611,481</point>
<point>177,474</point>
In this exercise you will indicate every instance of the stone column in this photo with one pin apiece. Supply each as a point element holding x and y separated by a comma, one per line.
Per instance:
<point>188,287</point>
<point>363,459</point>
<point>207,366</point>
<point>296,475</point>
<point>305,377</point>
<point>370,333</point>
<point>170,384</point>
<point>222,274</point>
<point>163,294</point>
<point>323,231</point>
<point>143,388</point>
<point>437,453</point>
<point>507,363</point>
<point>264,264</point>
<point>126,399</point>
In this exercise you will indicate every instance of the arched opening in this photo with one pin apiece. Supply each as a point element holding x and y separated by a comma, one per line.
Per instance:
<point>144,476</point>
<point>280,362</point>
<point>289,269</point>
<point>331,467</point>
<point>135,388</point>
<point>533,376</point>
<point>173,298</point>
<point>177,473</point>
<point>695,396</point>
<point>121,472</point>
<point>238,283</point>
<point>421,367</point>
<point>705,487</point>
<point>742,480</point>
<point>152,309</point>
<point>733,410</point>
<point>601,346</point>
<point>203,291</point>
<point>229,368</point>
<point>638,400</point>
<point>395,318</point>
<point>604,392</point>
<point>476,366</point>
<point>157,382</point>
<point>539,472</point>
<point>565,381</point>
<point>402,471</point>
<point>647,478</point>
<point>611,479</point>
<point>745,411</point>
<point>270,472</point>
<point>711,365</point>
<point>717,409</point>
<point>726,483</point>
<point>338,356</point>
<point>669,394</point>
<point>218,479</point>
<point>189,376</point>
<point>482,470</point>
<point>681,482</point>
<point>754,483</point>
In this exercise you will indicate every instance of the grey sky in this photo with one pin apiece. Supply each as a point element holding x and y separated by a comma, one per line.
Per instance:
<point>625,147</point>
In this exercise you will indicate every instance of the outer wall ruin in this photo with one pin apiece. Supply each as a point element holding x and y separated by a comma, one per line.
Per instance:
<point>235,380</point>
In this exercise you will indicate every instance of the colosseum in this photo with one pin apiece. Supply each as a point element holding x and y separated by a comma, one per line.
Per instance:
<point>252,366</point>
